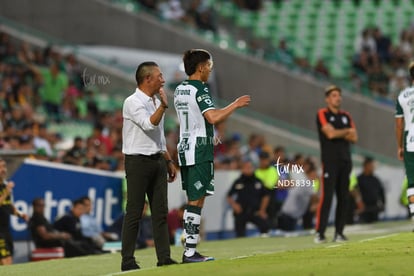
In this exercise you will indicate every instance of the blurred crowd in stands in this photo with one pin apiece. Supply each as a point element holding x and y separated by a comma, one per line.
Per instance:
<point>193,12</point>
<point>380,64</point>
<point>41,86</point>
<point>377,68</point>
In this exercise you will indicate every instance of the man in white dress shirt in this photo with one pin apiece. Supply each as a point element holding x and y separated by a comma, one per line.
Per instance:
<point>147,164</point>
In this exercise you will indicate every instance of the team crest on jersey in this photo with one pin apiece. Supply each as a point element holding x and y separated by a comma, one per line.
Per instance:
<point>198,185</point>
<point>239,186</point>
<point>344,120</point>
<point>332,118</point>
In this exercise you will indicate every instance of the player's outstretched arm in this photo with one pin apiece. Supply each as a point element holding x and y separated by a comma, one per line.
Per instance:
<point>215,116</point>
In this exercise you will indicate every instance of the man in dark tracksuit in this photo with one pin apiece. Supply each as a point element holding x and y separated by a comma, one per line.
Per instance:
<point>249,200</point>
<point>336,132</point>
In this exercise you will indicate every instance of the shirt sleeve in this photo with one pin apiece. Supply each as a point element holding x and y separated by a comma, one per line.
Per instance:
<point>204,100</point>
<point>398,110</point>
<point>163,141</point>
<point>138,114</point>
<point>232,190</point>
<point>321,118</point>
<point>351,122</point>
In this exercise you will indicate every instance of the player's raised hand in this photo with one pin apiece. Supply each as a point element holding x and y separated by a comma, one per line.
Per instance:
<point>163,97</point>
<point>243,101</point>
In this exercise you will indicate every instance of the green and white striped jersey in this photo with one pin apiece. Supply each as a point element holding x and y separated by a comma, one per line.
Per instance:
<point>196,143</point>
<point>405,109</point>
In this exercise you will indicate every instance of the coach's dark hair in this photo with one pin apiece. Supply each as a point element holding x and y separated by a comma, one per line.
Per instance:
<point>192,58</point>
<point>143,70</point>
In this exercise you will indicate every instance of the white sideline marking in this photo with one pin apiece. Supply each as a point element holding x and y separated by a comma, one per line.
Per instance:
<point>378,238</point>
<point>241,257</point>
<point>336,245</point>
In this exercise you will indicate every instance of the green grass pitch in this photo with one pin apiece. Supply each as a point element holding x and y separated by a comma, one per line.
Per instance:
<point>378,249</point>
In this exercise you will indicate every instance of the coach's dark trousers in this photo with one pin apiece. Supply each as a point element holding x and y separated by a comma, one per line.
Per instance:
<point>146,175</point>
<point>335,178</point>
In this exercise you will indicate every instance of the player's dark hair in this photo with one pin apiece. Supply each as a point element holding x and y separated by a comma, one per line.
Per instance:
<point>144,70</point>
<point>192,58</point>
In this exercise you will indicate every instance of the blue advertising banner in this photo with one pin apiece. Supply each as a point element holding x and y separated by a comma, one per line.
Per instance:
<point>58,185</point>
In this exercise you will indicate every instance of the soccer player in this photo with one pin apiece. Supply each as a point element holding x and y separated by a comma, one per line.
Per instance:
<point>336,132</point>
<point>197,116</point>
<point>6,209</point>
<point>405,135</point>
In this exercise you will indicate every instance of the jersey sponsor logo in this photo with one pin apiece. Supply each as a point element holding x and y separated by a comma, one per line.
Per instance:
<point>410,102</point>
<point>184,145</point>
<point>208,101</point>
<point>408,93</point>
<point>185,92</point>
<point>332,118</point>
<point>204,98</point>
<point>181,105</point>
<point>344,120</point>
<point>258,185</point>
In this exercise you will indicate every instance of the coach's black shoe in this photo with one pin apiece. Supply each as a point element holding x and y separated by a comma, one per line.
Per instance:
<point>319,238</point>
<point>196,258</point>
<point>168,261</point>
<point>129,266</point>
<point>339,238</point>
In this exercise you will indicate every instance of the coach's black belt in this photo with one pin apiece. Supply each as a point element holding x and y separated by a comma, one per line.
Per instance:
<point>155,156</point>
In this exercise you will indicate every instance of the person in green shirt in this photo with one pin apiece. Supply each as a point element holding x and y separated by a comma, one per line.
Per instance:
<point>268,174</point>
<point>53,86</point>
